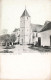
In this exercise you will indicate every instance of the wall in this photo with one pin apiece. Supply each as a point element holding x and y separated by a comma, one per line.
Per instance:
<point>25,29</point>
<point>35,39</point>
<point>22,29</point>
<point>45,37</point>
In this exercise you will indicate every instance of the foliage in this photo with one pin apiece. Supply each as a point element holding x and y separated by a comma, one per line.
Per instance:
<point>13,38</point>
<point>7,39</point>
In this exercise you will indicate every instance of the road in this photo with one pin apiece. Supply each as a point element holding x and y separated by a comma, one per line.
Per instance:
<point>23,49</point>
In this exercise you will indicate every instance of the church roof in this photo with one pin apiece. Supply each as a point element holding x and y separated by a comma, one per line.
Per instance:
<point>25,13</point>
<point>47,26</point>
<point>36,27</point>
<point>16,29</point>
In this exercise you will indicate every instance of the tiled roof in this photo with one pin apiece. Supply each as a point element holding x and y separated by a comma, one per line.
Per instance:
<point>36,27</point>
<point>47,26</point>
<point>25,13</point>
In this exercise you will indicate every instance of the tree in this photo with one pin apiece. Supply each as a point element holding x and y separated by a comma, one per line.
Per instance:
<point>6,39</point>
<point>12,38</point>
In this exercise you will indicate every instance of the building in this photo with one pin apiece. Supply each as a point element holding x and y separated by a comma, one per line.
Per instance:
<point>25,21</point>
<point>35,28</point>
<point>45,34</point>
<point>28,31</point>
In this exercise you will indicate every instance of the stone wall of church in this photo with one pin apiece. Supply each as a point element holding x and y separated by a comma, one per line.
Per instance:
<point>34,38</point>
<point>22,30</point>
<point>25,30</point>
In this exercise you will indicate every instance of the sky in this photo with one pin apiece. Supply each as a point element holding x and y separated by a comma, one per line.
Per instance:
<point>11,10</point>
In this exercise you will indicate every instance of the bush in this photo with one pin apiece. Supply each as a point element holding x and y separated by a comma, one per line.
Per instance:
<point>9,47</point>
<point>46,47</point>
<point>6,51</point>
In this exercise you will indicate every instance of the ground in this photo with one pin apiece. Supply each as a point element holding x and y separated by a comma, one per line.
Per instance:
<point>24,49</point>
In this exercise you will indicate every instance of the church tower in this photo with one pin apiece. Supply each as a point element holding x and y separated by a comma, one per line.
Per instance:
<point>25,21</point>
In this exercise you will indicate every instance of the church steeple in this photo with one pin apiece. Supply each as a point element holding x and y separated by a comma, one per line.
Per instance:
<point>25,21</point>
<point>25,13</point>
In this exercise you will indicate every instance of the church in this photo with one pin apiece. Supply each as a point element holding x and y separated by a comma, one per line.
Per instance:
<point>28,31</point>
<point>36,34</point>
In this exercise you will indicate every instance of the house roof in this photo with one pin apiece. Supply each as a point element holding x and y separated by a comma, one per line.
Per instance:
<point>36,27</point>
<point>25,13</point>
<point>47,26</point>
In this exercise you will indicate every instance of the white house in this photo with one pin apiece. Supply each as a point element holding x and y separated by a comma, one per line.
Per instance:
<point>45,34</point>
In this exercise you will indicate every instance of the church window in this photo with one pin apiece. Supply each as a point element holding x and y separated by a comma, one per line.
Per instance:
<point>27,17</point>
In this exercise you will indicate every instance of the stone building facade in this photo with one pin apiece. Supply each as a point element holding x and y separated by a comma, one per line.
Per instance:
<point>25,21</point>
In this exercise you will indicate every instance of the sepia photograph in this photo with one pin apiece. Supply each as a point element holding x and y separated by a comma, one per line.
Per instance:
<point>25,26</point>
<point>25,39</point>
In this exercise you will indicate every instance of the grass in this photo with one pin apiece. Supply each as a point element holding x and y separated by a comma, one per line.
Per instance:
<point>9,47</point>
<point>41,49</point>
<point>6,51</point>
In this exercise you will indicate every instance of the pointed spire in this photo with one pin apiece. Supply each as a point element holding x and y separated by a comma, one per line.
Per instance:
<point>25,13</point>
